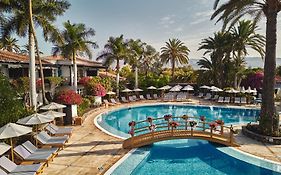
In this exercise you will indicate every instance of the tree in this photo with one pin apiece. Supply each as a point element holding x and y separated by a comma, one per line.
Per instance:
<point>43,13</point>
<point>230,12</point>
<point>244,37</point>
<point>115,50</point>
<point>10,44</point>
<point>175,52</point>
<point>76,39</point>
<point>150,61</point>
<point>136,49</point>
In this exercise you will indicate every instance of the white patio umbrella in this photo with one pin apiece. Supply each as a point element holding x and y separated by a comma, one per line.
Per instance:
<point>165,87</point>
<point>242,89</point>
<point>205,87</point>
<point>249,90</point>
<point>216,90</point>
<point>11,130</point>
<point>53,106</point>
<point>4,148</point>
<point>176,88</point>
<point>36,119</point>
<point>126,90</point>
<point>254,91</point>
<point>138,90</point>
<point>54,114</point>
<point>110,93</point>
<point>151,88</point>
<point>232,91</point>
<point>188,88</point>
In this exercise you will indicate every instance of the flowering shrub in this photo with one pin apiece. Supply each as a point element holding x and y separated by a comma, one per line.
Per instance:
<point>69,97</point>
<point>98,90</point>
<point>220,122</point>
<point>213,125</point>
<point>39,83</point>
<point>202,118</point>
<point>167,117</point>
<point>132,123</point>
<point>84,80</point>
<point>185,117</point>
<point>174,124</point>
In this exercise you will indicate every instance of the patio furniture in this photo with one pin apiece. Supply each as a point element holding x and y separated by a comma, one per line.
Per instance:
<point>60,130</point>
<point>135,97</point>
<point>106,102</point>
<point>215,98</point>
<point>221,100</point>
<point>46,140</point>
<point>142,97</point>
<point>226,100</point>
<point>124,100</point>
<point>12,168</point>
<point>155,96</point>
<point>243,100</point>
<point>131,99</point>
<point>208,96</point>
<point>33,149</point>
<point>148,97</point>
<point>26,156</point>
<point>112,100</point>
<point>237,100</point>
<point>201,95</point>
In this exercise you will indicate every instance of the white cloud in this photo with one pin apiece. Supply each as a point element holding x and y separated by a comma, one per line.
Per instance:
<point>167,21</point>
<point>178,29</point>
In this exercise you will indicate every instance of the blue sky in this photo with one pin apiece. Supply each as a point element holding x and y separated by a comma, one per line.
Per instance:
<point>152,21</point>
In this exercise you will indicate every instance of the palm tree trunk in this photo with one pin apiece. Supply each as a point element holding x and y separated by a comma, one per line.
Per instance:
<point>75,72</point>
<point>173,68</point>
<point>136,78</point>
<point>32,71</point>
<point>269,121</point>
<point>235,80</point>
<point>40,65</point>
<point>117,77</point>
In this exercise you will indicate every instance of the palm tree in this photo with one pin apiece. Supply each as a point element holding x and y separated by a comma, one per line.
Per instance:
<point>150,60</point>
<point>43,13</point>
<point>136,49</point>
<point>10,44</point>
<point>115,51</point>
<point>232,11</point>
<point>175,52</point>
<point>75,40</point>
<point>244,37</point>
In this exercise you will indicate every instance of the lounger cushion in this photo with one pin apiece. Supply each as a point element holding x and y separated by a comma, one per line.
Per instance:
<point>32,149</point>
<point>10,166</point>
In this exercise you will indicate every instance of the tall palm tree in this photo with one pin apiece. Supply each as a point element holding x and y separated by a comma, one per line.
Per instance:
<point>115,50</point>
<point>230,12</point>
<point>43,13</point>
<point>136,49</point>
<point>149,60</point>
<point>244,37</point>
<point>76,39</point>
<point>175,52</point>
<point>10,44</point>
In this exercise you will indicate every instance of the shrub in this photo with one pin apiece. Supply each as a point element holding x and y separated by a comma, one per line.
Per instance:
<point>54,81</point>
<point>83,106</point>
<point>98,90</point>
<point>84,80</point>
<point>68,97</point>
<point>11,107</point>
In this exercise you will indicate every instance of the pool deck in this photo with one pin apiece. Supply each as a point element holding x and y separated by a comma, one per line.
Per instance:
<point>91,151</point>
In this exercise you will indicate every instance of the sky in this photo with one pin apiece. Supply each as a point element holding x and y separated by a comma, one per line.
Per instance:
<point>152,21</point>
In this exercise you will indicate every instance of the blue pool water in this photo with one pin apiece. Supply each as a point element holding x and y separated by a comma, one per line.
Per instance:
<point>116,122</point>
<point>191,157</point>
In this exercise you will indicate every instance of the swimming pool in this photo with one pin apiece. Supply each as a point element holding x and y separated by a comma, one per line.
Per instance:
<point>186,156</point>
<point>116,122</point>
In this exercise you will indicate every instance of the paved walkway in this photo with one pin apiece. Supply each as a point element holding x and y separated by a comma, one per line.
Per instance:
<point>90,151</point>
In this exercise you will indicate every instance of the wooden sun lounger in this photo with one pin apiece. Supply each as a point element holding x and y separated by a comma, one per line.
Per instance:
<point>33,149</point>
<point>45,140</point>
<point>142,97</point>
<point>124,100</point>
<point>11,167</point>
<point>112,100</point>
<point>148,97</point>
<point>2,172</point>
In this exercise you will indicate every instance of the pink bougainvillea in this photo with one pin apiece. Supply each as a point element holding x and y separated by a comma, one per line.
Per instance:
<point>69,97</point>
<point>84,80</point>
<point>39,83</point>
<point>98,90</point>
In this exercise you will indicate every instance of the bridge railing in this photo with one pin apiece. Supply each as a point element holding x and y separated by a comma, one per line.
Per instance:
<point>187,123</point>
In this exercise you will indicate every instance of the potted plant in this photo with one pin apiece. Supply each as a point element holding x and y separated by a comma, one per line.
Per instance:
<point>71,99</point>
<point>132,125</point>
<point>98,91</point>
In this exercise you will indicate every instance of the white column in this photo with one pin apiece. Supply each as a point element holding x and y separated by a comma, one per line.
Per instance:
<point>32,73</point>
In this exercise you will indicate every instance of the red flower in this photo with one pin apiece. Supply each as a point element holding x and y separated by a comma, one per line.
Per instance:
<point>84,80</point>
<point>202,118</point>
<point>98,90</point>
<point>213,125</point>
<point>167,117</point>
<point>69,97</point>
<point>39,83</point>
<point>132,123</point>
<point>220,122</point>
<point>174,124</point>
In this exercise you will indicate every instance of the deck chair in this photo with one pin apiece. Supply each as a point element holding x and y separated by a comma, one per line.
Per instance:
<point>155,96</point>
<point>11,167</point>
<point>208,96</point>
<point>226,100</point>
<point>243,100</point>
<point>112,100</point>
<point>106,102</point>
<point>26,156</point>
<point>142,97</point>
<point>33,149</point>
<point>61,130</point>
<point>131,99</point>
<point>215,98</point>
<point>148,97</point>
<point>201,95</point>
<point>2,172</point>
<point>135,98</point>
<point>237,100</point>
<point>220,100</point>
<point>124,100</point>
<point>47,141</point>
